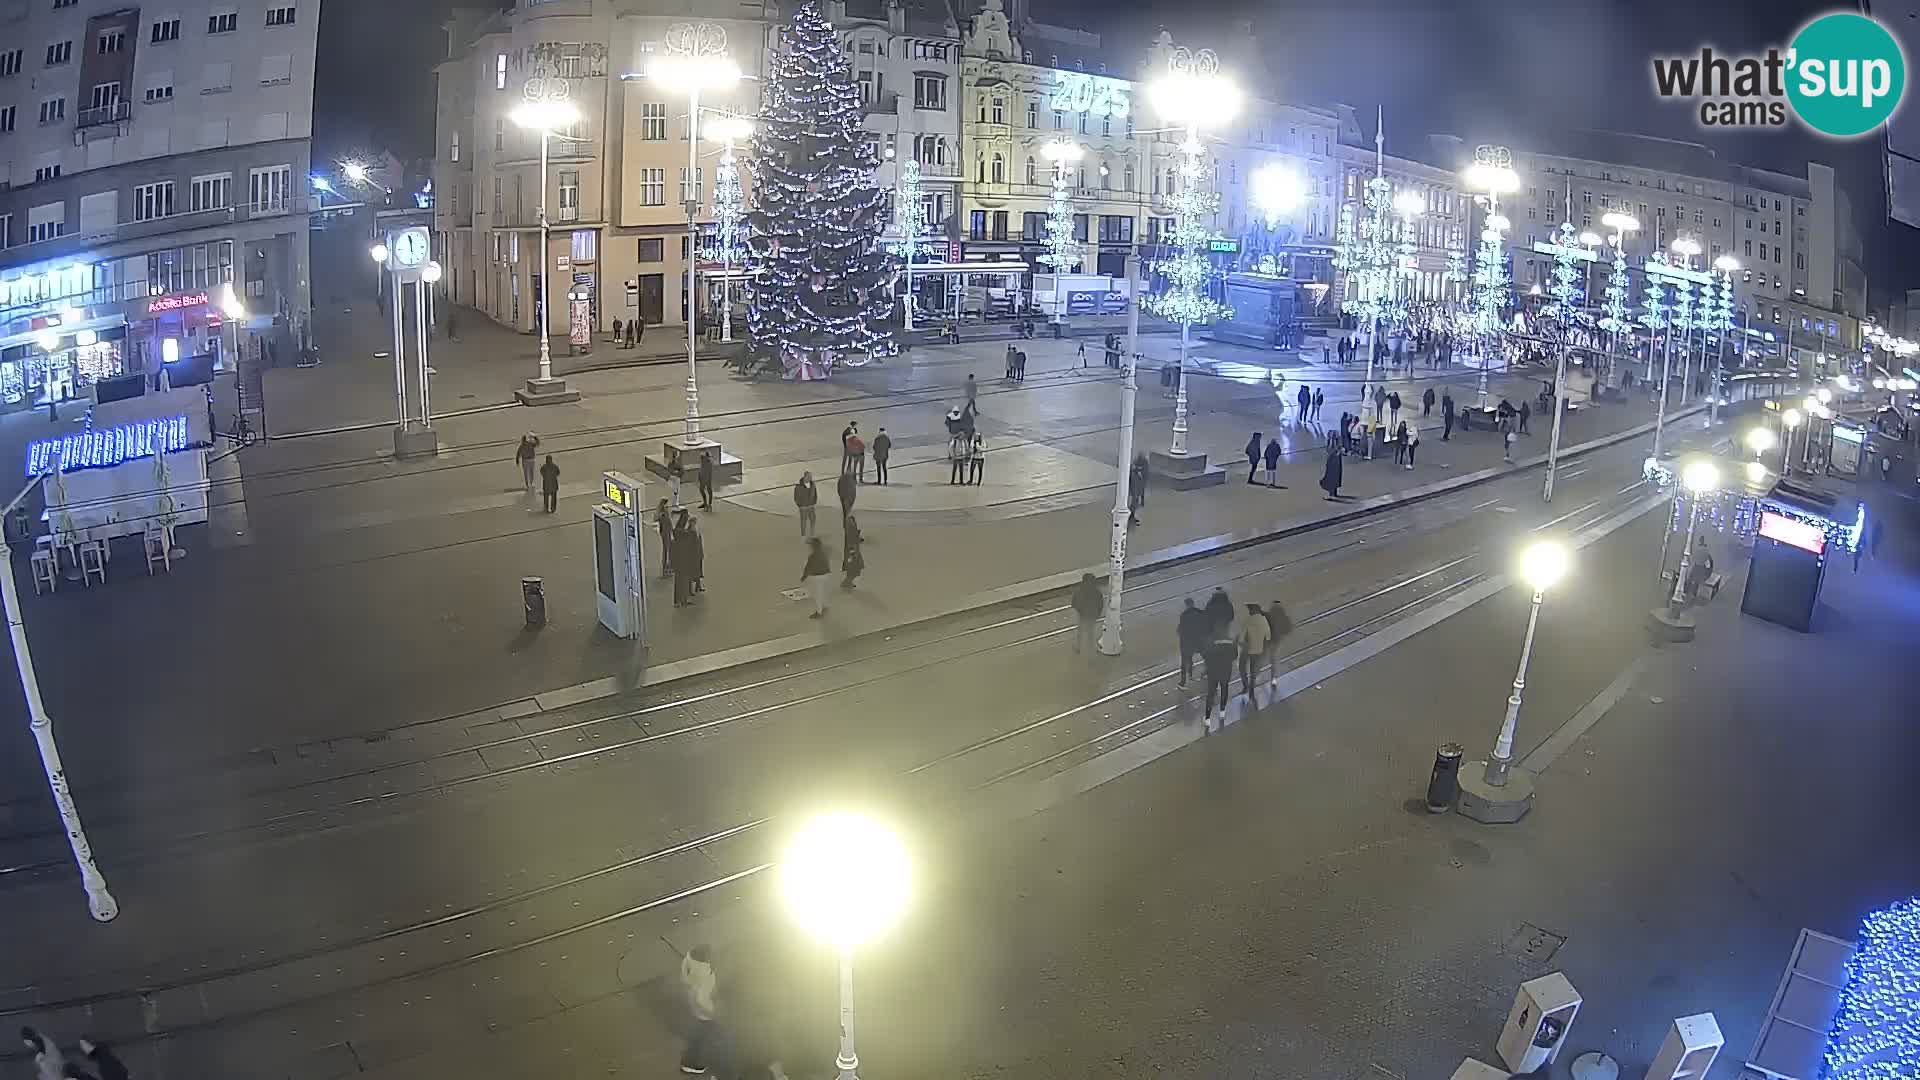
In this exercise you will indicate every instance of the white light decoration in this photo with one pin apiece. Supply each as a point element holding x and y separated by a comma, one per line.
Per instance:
<point>1566,280</point>
<point>909,226</point>
<point>1653,308</point>
<point>1276,191</point>
<point>1063,251</point>
<point>1186,299</point>
<point>1876,1031</point>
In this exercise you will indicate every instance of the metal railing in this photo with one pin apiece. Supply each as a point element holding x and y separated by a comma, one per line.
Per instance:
<point>106,114</point>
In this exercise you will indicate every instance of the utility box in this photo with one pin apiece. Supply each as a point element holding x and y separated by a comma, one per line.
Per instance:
<point>1537,1027</point>
<point>1692,1044</point>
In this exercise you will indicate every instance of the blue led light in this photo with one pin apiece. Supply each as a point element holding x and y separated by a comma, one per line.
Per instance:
<point>1876,1033</point>
<point>90,449</point>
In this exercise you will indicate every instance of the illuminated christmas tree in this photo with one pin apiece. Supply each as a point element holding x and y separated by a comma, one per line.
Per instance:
<point>1565,289</point>
<point>819,297</point>
<point>1617,319</point>
<point>1653,308</point>
<point>1186,299</point>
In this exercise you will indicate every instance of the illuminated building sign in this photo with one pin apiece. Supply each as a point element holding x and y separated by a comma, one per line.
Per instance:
<point>1076,92</point>
<point>178,302</point>
<point>616,494</point>
<point>1801,534</point>
<point>106,447</point>
<point>1223,246</point>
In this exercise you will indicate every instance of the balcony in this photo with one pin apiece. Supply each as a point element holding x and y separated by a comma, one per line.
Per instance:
<point>106,114</point>
<point>887,104</point>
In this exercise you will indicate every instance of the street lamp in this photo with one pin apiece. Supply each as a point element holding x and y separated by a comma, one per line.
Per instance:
<point>1760,440</point>
<point>1726,264</point>
<point>1542,565</point>
<point>1492,173</point>
<point>545,117</point>
<point>846,879</point>
<point>1790,419</point>
<point>1700,478</point>
<point>1062,251</point>
<point>1618,283</point>
<point>1686,247</point>
<point>1276,191</point>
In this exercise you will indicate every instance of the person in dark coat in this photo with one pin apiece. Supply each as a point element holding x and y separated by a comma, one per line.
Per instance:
<point>882,447</point>
<point>705,477</point>
<point>106,1064</point>
<point>1446,417</point>
<point>1273,463</point>
<point>550,485</point>
<point>814,575</point>
<point>663,522</point>
<point>1136,489</point>
<point>1253,456</point>
<point>805,498</point>
<point>1319,400</point>
<point>1330,476</point>
<point>846,489</point>
<point>1305,398</point>
<point>1400,444</point>
<point>846,444</point>
<point>852,562</point>
<point>1087,607</point>
<point>1525,411</point>
<point>1426,402</point>
<point>1219,657</point>
<point>1219,613</point>
<point>1192,631</point>
<point>688,556</point>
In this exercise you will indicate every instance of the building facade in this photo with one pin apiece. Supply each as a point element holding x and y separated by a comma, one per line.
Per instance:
<point>149,157</point>
<point>906,62</point>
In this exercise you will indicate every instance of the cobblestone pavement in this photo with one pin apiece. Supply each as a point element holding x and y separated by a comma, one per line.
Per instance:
<point>459,899</point>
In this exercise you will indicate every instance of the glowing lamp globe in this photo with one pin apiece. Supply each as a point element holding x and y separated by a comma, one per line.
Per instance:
<point>1542,565</point>
<point>430,273</point>
<point>1791,418</point>
<point>846,878</point>
<point>1760,440</point>
<point>1700,476</point>
<point>1409,203</point>
<point>379,253</point>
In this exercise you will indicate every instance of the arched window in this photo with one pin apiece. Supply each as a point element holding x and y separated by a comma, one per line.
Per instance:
<point>1106,178</point>
<point>1033,172</point>
<point>1172,174</point>
<point>999,110</point>
<point>999,169</point>
<point>1128,181</point>
<point>980,169</point>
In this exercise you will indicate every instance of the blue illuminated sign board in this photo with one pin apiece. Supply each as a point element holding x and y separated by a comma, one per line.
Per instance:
<point>106,447</point>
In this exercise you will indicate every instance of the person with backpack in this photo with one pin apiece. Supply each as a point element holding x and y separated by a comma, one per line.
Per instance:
<point>1088,605</point>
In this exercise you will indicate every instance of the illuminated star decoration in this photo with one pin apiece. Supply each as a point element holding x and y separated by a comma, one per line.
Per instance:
<point>1186,299</point>
<point>1876,1033</point>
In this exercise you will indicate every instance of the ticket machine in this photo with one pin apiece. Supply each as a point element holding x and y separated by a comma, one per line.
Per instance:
<point>620,576</point>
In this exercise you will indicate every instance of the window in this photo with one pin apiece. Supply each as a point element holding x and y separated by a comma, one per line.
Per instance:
<point>53,110</point>
<point>217,78</point>
<point>500,71</point>
<point>1799,210</point>
<point>10,63</point>
<point>1531,212</point>
<point>999,110</point>
<point>999,169</point>
<point>1033,226</point>
<point>153,201</point>
<point>59,52</point>
<point>1776,227</point>
<point>690,192</point>
<point>1033,171</point>
<point>225,23</point>
<point>6,231</point>
<point>104,96</point>
<point>7,115</point>
<point>46,221</point>
<point>653,187</point>
<point>1763,253</point>
<point>653,121</point>
<point>267,188</point>
<point>1000,224</point>
<point>585,245</point>
<point>159,87</point>
<point>1749,249</point>
<point>1127,182</point>
<point>453,147</point>
<point>929,92</point>
<point>46,172</point>
<point>1776,206</point>
<point>1059,120</point>
<point>166,30</point>
<point>210,193</point>
<point>499,192</point>
<point>976,225</point>
<point>499,134</point>
<point>1553,213</point>
<point>1699,217</point>
<point>569,195</point>
<point>1716,223</point>
<point>1080,227</point>
<point>276,69</point>
<point>652,249</point>
<point>1083,123</point>
<point>280,16</point>
<point>1587,197</point>
<point>1033,114</point>
<point>110,41</point>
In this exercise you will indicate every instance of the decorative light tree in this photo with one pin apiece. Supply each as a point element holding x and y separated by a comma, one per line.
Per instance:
<point>1492,173</point>
<point>1564,291</point>
<point>729,247</point>
<point>1456,274</point>
<point>820,295</point>
<point>909,225</point>
<point>1684,324</point>
<point>1618,318</point>
<point>1653,316</point>
<point>1876,1030</point>
<point>1063,251</point>
<point>1723,326</point>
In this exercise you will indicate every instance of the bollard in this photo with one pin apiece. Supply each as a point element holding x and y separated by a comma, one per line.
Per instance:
<point>533,593</point>
<point>1444,787</point>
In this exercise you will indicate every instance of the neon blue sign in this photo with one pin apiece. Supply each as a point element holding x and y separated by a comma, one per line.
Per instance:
<point>107,447</point>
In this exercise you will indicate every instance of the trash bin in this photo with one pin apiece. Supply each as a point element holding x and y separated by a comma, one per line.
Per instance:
<point>1444,787</point>
<point>533,593</point>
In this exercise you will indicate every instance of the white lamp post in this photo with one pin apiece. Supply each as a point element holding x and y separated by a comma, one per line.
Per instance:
<point>727,129</point>
<point>695,60</point>
<point>1541,566</point>
<point>544,117</point>
<point>1686,318</point>
<point>1700,478</point>
<point>1491,173</point>
<point>846,879</point>
<point>1723,317</point>
<point>1618,282</point>
<point>1062,251</point>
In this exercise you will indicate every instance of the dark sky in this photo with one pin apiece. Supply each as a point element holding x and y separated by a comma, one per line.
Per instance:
<point>1466,66</point>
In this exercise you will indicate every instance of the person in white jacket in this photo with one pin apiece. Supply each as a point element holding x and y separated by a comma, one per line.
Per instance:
<point>698,982</point>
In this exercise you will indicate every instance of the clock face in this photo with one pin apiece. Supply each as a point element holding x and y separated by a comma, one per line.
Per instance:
<point>410,248</point>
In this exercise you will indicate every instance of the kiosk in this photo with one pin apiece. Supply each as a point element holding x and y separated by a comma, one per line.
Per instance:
<point>1537,1027</point>
<point>620,575</point>
<point>1796,529</point>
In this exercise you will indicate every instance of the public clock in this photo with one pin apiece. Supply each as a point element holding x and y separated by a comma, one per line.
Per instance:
<point>411,248</point>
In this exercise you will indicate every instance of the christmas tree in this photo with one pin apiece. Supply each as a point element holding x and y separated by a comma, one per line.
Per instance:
<point>819,296</point>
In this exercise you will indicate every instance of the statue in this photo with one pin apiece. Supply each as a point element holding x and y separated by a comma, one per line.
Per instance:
<point>990,34</point>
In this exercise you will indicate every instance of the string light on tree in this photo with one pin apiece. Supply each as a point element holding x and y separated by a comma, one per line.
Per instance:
<point>1063,251</point>
<point>1653,308</point>
<point>1616,317</point>
<point>1565,290</point>
<point>909,225</point>
<point>1876,1032</point>
<point>819,295</point>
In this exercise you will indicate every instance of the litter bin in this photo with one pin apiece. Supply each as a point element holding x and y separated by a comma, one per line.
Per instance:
<point>533,593</point>
<point>1444,787</point>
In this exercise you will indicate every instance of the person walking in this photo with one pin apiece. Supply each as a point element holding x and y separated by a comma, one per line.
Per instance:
<point>48,1062</point>
<point>1081,348</point>
<point>1218,658</point>
<point>857,447</point>
<point>550,484</point>
<point>973,393</point>
<point>698,983</point>
<point>663,523</point>
<point>1219,611</point>
<point>1278,626</point>
<point>813,575</point>
<point>1087,606</point>
<point>976,458</point>
<point>1330,475</point>
<point>1253,456</point>
<point>1400,445</point>
<point>676,473</point>
<point>1393,411</point>
<point>1379,403</point>
<point>1526,410</point>
<point>1252,640</point>
<point>852,562</point>
<point>704,475</point>
<point>1305,398</point>
<point>1411,438</point>
<point>844,487</point>
<point>1426,402</point>
<point>1010,360</point>
<point>1020,365</point>
<point>805,497</point>
<point>1192,632</point>
<point>1319,400</point>
<point>1506,441</point>
<point>106,1064</point>
<point>525,454</point>
<point>1136,489</point>
<point>957,458</point>
<point>1273,462</point>
<point>882,447</point>
<point>1446,417</point>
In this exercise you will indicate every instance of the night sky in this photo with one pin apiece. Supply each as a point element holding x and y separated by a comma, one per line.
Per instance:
<point>1469,66</point>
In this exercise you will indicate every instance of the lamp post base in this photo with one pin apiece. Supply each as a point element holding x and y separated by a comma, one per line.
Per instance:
<point>415,441</point>
<point>1489,805</point>
<point>1670,627</point>
<point>547,392</point>
<point>727,469</point>
<point>1183,472</point>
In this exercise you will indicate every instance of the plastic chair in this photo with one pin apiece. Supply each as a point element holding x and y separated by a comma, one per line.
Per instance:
<point>44,571</point>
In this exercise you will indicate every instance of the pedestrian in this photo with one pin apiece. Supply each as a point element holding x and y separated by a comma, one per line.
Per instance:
<point>846,444</point>
<point>48,1062</point>
<point>1506,441</point>
<point>1082,349</point>
<point>676,475</point>
<point>1219,657</point>
<point>814,575</point>
<point>617,327</point>
<point>1426,402</point>
<point>698,983</point>
<point>1525,411</point>
<point>106,1064</point>
<point>851,561</point>
<point>1446,417</point>
<point>663,523</point>
<point>957,457</point>
<point>1252,641</point>
<point>1010,361</point>
<point>1253,455</point>
<point>1411,438</point>
<point>1219,613</point>
<point>636,333</point>
<point>976,458</point>
<point>1379,402</point>
<point>525,454</point>
<point>705,478</point>
<point>1192,631</point>
<point>805,497</point>
<point>1305,398</point>
<point>882,446</point>
<point>845,489</point>
<point>857,447</point>
<point>1087,606</point>
<point>973,394</point>
<point>1278,626</point>
<point>1400,445</point>
<point>1393,410</point>
<point>1701,568</point>
<point>550,484</point>
<point>1330,476</point>
<point>689,558</point>
<point>1273,462</point>
<point>1020,365</point>
<point>1319,400</point>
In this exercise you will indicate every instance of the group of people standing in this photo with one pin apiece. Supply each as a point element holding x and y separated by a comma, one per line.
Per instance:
<point>1434,348</point>
<point>96,1060</point>
<point>683,553</point>
<point>1222,639</point>
<point>1016,364</point>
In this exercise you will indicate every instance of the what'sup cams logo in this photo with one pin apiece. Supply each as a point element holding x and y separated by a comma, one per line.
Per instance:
<point>1843,76</point>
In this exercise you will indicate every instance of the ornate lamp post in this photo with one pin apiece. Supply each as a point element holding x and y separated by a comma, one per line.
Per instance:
<point>1491,173</point>
<point>1492,797</point>
<point>1701,479</point>
<point>546,108</point>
